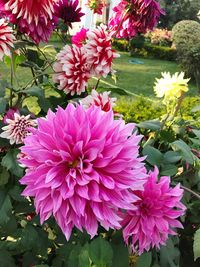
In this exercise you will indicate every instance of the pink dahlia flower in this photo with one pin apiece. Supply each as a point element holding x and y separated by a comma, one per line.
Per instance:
<point>69,11</point>
<point>34,18</point>
<point>72,70</point>
<point>99,51</point>
<point>6,39</point>
<point>17,128</point>
<point>101,100</point>
<point>82,165</point>
<point>134,16</point>
<point>96,6</point>
<point>79,39</point>
<point>10,114</point>
<point>156,215</point>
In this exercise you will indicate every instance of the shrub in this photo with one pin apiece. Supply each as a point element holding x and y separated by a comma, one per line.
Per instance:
<point>155,51</point>
<point>186,38</point>
<point>121,44</point>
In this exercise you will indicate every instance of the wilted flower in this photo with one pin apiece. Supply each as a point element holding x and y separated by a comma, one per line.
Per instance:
<point>79,39</point>
<point>100,54</point>
<point>134,16</point>
<point>17,128</point>
<point>102,100</point>
<point>82,165</point>
<point>72,71</point>
<point>10,114</point>
<point>156,215</point>
<point>96,6</point>
<point>171,87</point>
<point>34,18</point>
<point>69,11</point>
<point>6,38</point>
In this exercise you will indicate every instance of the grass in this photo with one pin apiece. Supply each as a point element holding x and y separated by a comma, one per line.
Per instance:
<point>136,78</point>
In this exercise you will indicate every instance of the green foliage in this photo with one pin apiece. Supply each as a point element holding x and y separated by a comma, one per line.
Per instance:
<point>121,44</point>
<point>196,246</point>
<point>154,51</point>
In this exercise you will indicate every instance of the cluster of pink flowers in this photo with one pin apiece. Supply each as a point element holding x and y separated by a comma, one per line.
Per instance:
<point>96,6</point>
<point>131,17</point>
<point>83,167</point>
<point>38,18</point>
<point>159,36</point>
<point>90,55</point>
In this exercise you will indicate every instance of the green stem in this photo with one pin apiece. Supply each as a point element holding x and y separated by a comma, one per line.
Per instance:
<point>11,79</point>
<point>191,192</point>
<point>97,84</point>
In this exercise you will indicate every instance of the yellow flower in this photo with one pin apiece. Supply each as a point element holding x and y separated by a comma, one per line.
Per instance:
<point>171,87</point>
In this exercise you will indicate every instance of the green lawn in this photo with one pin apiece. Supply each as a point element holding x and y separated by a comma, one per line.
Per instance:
<point>136,78</point>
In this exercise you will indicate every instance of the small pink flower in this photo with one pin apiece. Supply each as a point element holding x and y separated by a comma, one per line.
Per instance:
<point>96,6</point>
<point>72,71</point>
<point>10,114</point>
<point>100,54</point>
<point>6,39</point>
<point>134,16</point>
<point>17,128</point>
<point>102,100</point>
<point>156,215</point>
<point>80,37</point>
<point>82,165</point>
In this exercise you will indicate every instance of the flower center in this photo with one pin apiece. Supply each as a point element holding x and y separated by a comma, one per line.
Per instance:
<point>73,164</point>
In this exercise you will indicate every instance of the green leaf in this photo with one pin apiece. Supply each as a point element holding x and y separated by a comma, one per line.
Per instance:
<point>84,260</point>
<point>184,149</point>
<point>74,256</point>
<point>153,125</point>
<point>101,252</point>
<point>197,133</point>
<point>196,245</point>
<point>29,237</point>
<point>6,259</point>
<point>3,104</point>
<point>4,176</point>
<point>3,86</point>
<point>168,170</point>
<point>5,208</point>
<point>120,255</point>
<point>172,157</point>
<point>17,60</point>
<point>154,156</point>
<point>9,161</point>
<point>144,260</point>
<point>118,90</point>
<point>169,255</point>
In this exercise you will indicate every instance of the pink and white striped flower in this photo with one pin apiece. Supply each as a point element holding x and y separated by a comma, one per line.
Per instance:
<point>6,38</point>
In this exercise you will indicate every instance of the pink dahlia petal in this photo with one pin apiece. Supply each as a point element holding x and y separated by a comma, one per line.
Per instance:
<point>102,100</point>
<point>156,215</point>
<point>64,159</point>
<point>34,18</point>
<point>96,6</point>
<point>6,39</point>
<point>99,51</point>
<point>72,71</point>
<point>69,11</point>
<point>134,16</point>
<point>80,37</point>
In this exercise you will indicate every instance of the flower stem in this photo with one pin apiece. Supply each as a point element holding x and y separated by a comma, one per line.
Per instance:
<point>97,84</point>
<point>191,192</point>
<point>11,79</point>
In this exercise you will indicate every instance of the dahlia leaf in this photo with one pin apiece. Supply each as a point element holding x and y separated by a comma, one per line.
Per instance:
<point>3,86</point>
<point>9,161</point>
<point>101,252</point>
<point>154,156</point>
<point>196,245</point>
<point>6,260</point>
<point>168,170</point>
<point>153,125</point>
<point>120,254</point>
<point>5,208</point>
<point>185,150</point>
<point>144,260</point>
<point>4,176</point>
<point>172,156</point>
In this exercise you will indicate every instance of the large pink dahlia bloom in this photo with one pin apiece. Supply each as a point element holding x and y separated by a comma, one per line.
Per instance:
<point>82,165</point>
<point>156,214</point>
<point>80,37</point>
<point>72,71</point>
<point>134,16</point>
<point>33,17</point>
<point>100,54</point>
<point>6,39</point>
